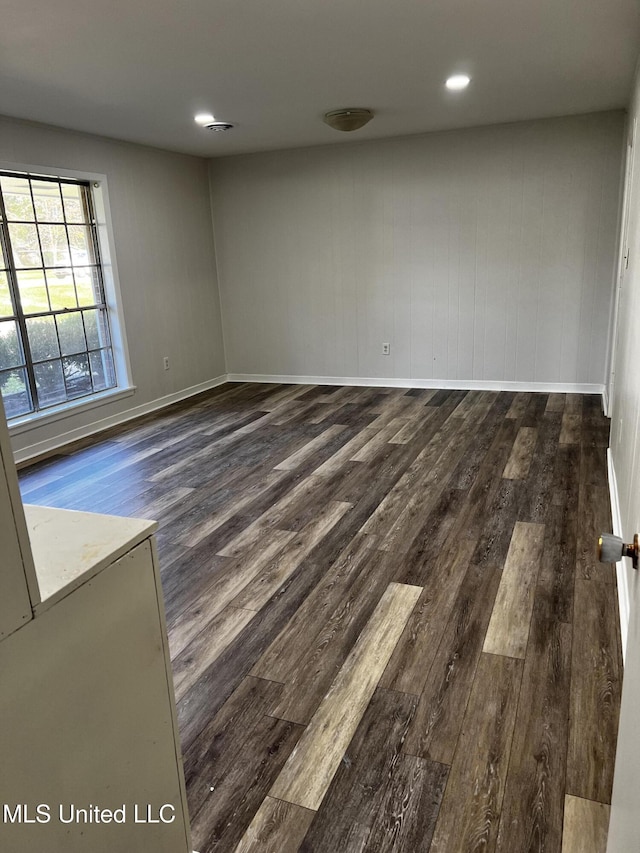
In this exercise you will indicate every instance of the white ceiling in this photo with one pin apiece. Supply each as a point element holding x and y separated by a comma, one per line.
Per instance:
<point>140,69</point>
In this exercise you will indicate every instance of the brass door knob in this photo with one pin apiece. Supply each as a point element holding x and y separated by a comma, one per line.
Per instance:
<point>612,548</point>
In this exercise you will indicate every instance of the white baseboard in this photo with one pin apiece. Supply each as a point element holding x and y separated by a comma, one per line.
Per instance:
<point>40,448</point>
<point>50,444</point>
<point>624,600</point>
<point>447,384</point>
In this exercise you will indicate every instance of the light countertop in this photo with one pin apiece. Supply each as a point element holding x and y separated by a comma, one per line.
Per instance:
<point>71,547</point>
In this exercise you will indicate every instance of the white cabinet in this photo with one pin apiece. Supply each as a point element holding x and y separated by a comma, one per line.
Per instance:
<point>89,751</point>
<point>86,716</point>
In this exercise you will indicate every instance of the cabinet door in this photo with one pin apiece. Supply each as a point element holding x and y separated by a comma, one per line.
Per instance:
<point>15,604</point>
<point>86,710</point>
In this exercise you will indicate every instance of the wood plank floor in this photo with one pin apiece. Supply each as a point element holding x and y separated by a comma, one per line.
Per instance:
<point>388,627</point>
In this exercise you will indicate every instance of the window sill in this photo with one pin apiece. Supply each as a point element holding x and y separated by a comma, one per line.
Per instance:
<point>57,413</point>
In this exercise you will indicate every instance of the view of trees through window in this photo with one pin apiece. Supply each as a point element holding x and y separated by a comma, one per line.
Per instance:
<point>55,344</point>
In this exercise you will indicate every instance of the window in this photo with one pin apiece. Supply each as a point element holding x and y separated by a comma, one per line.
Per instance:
<point>55,341</point>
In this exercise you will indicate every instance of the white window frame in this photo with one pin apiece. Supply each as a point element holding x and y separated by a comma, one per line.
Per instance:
<point>112,294</point>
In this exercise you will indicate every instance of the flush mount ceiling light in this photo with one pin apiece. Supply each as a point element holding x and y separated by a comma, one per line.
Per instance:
<point>351,118</point>
<point>209,121</point>
<point>458,82</point>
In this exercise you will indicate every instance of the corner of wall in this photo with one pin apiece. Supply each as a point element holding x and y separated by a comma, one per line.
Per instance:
<point>217,266</point>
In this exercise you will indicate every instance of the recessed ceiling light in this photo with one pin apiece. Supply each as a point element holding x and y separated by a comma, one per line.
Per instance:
<point>204,118</point>
<point>458,82</point>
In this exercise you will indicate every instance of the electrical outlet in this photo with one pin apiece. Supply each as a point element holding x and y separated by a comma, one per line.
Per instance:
<point>386,349</point>
<point>165,362</point>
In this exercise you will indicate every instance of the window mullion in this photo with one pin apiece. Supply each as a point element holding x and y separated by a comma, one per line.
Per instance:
<point>30,368</point>
<point>17,304</point>
<point>93,230</point>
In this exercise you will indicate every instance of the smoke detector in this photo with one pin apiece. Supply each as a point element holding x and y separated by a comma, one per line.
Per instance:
<point>351,118</point>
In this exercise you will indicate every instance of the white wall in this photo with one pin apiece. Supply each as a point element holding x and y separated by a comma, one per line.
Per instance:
<point>161,216</point>
<point>482,254</point>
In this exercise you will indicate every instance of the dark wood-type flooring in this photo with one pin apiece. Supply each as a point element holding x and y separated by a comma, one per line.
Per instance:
<point>388,626</point>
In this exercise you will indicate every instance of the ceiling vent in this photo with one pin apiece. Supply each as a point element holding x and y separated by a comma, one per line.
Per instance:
<point>352,118</point>
<point>219,126</point>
